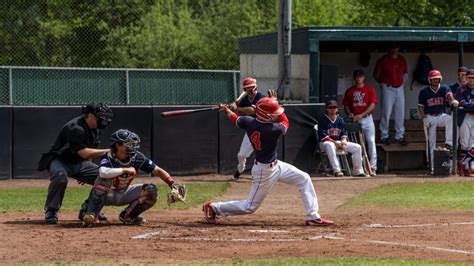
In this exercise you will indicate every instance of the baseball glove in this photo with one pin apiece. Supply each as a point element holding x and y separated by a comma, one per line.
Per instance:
<point>177,193</point>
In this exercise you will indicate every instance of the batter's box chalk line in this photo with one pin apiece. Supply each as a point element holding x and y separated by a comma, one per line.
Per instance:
<point>415,225</point>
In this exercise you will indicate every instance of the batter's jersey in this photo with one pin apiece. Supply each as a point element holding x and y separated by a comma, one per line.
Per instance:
<point>333,129</point>
<point>359,99</point>
<point>263,136</point>
<point>246,102</point>
<point>140,162</point>
<point>434,102</point>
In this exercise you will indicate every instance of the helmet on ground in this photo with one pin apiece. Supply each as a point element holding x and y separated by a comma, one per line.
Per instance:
<point>268,109</point>
<point>129,139</point>
<point>435,74</point>
<point>249,82</point>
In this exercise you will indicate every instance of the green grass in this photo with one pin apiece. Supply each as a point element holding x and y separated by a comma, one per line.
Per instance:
<point>32,199</point>
<point>432,196</point>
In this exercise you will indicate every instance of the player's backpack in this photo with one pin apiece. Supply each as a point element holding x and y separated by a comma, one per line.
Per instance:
<point>423,67</point>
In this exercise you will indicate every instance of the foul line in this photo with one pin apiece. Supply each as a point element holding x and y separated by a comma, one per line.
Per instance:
<point>415,225</point>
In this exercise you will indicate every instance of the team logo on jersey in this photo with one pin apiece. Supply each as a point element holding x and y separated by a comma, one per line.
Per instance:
<point>359,98</point>
<point>334,131</point>
<point>435,101</point>
<point>104,161</point>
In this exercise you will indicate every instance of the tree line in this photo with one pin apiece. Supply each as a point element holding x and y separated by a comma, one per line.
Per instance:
<point>193,34</point>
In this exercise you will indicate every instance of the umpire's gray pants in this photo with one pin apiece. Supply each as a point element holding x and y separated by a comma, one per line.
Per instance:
<point>85,171</point>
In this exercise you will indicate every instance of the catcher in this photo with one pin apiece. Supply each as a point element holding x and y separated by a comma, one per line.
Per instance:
<point>117,170</point>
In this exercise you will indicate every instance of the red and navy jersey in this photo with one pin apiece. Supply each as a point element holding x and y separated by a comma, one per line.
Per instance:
<point>331,129</point>
<point>263,136</point>
<point>434,102</point>
<point>140,162</point>
<point>465,96</point>
<point>456,86</point>
<point>247,102</point>
<point>359,99</point>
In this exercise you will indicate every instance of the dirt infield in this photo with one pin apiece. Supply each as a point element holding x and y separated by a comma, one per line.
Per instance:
<point>275,230</point>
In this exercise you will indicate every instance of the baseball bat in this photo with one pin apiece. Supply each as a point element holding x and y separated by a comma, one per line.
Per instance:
<point>187,111</point>
<point>364,152</point>
<point>428,148</point>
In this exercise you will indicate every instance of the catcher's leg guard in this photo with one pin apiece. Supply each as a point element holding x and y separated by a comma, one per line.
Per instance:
<point>147,199</point>
<point>97,197</point>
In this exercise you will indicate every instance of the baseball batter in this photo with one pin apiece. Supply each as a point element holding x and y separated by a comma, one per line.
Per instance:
<point>246,106</point>
<point>117,170</point>
<point>432,107</point>
<point>465,96</point>
<point>333,136</point>
<point>359,102</point>
<point>391,73</point>
<point>264,130</point>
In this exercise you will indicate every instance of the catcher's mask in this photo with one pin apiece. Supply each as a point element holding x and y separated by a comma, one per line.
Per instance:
<point>129,139</point>
<point>103,113</point>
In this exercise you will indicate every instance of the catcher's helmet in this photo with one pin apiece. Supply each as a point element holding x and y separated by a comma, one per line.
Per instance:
<point>103,113</point>
<point>249,82</point>
<point>435,74</point>
<point>268,109</point>
<point>129,139</point>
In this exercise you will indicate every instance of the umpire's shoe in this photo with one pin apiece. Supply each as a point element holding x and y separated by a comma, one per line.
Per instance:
<point>51,216</point>
<point>236,175</point>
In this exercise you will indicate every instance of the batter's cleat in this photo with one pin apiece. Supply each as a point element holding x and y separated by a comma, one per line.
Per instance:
<point>90,219</point>
<point>338,174</point>
<point>402,141</point>
<point>51,216</point>
<point>236,175</point>
<point>209,213</point>
<point>319,222</point>
<point>132,221</point>
<point>386,141</point>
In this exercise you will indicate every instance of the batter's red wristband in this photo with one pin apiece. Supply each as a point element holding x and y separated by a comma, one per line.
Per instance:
<point>169,180</point>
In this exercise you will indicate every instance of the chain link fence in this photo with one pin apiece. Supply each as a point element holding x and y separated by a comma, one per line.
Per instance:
<point>126,52</point>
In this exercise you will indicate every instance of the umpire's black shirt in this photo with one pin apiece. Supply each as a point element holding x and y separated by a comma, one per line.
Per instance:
<point>73,137</point>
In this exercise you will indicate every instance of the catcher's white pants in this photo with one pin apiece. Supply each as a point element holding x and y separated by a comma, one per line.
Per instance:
<point>124,196</point>
<point>368,129</point>
<point>443,120</point>
<point>353,148</point>
<point>466,132</point>
<point>393,99</point>
<point>245,151</point>
<point>264,178</point>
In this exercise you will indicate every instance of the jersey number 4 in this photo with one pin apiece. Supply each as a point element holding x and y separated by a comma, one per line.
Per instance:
<point>255,138</point>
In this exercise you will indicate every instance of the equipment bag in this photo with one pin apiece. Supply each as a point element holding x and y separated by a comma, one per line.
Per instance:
<point>423,67</point>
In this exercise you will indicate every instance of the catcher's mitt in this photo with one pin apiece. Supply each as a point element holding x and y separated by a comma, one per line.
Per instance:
<point>177,193</point>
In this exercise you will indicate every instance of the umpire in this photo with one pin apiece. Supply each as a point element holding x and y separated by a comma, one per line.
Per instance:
<point>71,155</point>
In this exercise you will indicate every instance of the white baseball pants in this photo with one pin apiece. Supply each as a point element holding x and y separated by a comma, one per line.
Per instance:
<point>245,151</point>
<point>353,148</point>
<point>368,129</point>
<point>264,178</point>
<point>393,99</point>
<point>443,120</point>
<point>466,132</point>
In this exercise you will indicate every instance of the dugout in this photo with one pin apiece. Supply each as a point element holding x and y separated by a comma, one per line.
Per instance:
<point>324,58</point>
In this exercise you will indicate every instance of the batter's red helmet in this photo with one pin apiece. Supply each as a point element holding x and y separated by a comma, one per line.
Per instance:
<point>268,109</point>
<point>435,74</point>
<point>249,82</point>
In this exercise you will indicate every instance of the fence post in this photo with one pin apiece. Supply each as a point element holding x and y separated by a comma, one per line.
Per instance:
<point>127,88</point>
<point>236,92</point>
<point>10,86</point>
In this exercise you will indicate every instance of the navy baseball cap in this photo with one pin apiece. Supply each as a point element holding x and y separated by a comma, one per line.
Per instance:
<point>331,103</point>
<point>358,72</point>
<point>470,73</point>
<point>463,69</point>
